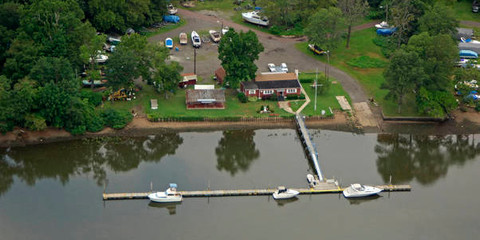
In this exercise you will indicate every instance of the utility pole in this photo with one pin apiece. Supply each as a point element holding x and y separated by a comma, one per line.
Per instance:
<point>316,83</point>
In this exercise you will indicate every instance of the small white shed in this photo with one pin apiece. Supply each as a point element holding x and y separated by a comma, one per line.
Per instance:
<point>154,104</point>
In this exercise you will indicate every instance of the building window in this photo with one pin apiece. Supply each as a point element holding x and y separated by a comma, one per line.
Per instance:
<point>292,90</point>
<point>267,91</point>
<point>250,92</point>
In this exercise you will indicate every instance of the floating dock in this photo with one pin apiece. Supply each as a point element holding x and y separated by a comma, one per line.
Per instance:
<point>308,144</point>
<point>323,188</point>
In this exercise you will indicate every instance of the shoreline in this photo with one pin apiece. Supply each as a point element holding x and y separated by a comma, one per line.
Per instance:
<point>140,126</point>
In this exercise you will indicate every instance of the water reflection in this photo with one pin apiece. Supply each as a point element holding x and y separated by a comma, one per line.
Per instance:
<point>60,161</point>
<point>171,207</point>
<point>283,202</point>
<point>358,201</point>
<point>236,151</point>
<point>424,158</point>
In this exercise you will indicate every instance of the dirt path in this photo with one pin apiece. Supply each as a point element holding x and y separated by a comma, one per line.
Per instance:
<point>470,23</point>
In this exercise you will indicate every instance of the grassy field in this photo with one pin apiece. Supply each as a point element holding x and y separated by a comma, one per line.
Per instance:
<point>370,78</point>
<point>324,101</point>
<point>165,28</point>
<point>463,11</point>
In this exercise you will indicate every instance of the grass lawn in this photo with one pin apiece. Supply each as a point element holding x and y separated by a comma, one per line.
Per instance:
<point>174,106</point>
<point>165,28</point>
<point>324,101</point>
<point>213,5</point>
<point>463,11</point>
<point>371,78</point>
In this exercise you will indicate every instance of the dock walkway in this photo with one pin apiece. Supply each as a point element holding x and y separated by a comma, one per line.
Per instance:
<point>322,189</point>
<point>307,143</point>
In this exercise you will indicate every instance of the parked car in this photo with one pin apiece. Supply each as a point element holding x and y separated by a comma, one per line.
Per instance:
<point>475,6</point>
<point>272,67</point>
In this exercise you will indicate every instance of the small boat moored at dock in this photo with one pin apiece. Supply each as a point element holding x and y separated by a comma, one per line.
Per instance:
<point>170,195</point>
<point>284,193</point>
<point>359,190</point>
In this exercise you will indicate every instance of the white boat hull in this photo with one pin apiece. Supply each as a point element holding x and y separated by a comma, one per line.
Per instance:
<point>251,17</point>
<point>285,195</point>
<point>196,41</point>
<point>351,192</point>
<point>160,197</point>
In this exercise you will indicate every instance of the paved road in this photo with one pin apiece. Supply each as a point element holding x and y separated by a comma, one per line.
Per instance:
<point>277,50</point>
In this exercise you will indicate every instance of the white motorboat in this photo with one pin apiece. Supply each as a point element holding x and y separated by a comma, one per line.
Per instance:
<point>196,41</point>
<point>359,190</point>
<point>171,9</point>
<point>468,40</point>
<point>284,67</point>
<point>215,36</point>
<point>170,195</point>
<point>382,25</point>
<point>284,193</point>
<point>183,38</point>
<point>100,58</point>
<point>255,18</point>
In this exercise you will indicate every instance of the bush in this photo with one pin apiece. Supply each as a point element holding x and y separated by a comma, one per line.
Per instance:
<point>242,98</point>
<point>273,97</point>
<point>35,122</point>
<point>94,98</point>
<point>6,126</point>
<point>94,122</point>
<point>477,107</point>
<point>116,119</point>
<point>78,130</point>
<point>387,45</point>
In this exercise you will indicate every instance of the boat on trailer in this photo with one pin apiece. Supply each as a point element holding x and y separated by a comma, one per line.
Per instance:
<point>215,36</point>
<point>196,41</point>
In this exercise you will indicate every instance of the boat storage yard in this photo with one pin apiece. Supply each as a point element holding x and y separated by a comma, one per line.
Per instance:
<point>322,186</point>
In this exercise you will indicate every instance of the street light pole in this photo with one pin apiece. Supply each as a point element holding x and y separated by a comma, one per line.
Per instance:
<point>316,84</point>
<point>195,60</point>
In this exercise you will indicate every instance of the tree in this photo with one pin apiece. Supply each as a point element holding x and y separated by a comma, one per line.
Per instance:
<point>167,78</point>
<point>353,12</point>
<point>324,29</point>
<point>438,54</point>
<point>435,103</point>
<point>89,52</point>
<point>402,74</point>
<point>238,52</point>
<point>402,16</point>
<point>439,20</point>
<point>122,68</point>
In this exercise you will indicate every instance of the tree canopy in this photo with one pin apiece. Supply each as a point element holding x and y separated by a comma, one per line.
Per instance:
<point>325,28</point>
<point>238,52</point>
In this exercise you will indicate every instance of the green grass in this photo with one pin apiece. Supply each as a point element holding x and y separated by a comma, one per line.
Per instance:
<point>212,5</point>
<point>463,11</point>
<point>367,62</point>
<point>165,28</point>
<point>370,78</point>
<point>175,106</point>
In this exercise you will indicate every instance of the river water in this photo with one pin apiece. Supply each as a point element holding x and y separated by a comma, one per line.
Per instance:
<point>53,191</point>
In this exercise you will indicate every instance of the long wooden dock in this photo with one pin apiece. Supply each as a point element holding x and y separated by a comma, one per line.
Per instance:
<point>322,189</point>
<point>307,143</point>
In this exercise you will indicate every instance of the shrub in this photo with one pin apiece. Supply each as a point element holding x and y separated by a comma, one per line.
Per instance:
<point>116,119</point>
<point>477,107</point>
<point>78,130</point>
<point>387,45</point>
<point>35,122</point>
<point>6,126</point>
<point>273,97</point>
<point>242,98</point>
<point>94,98</point>
<point>94,122</point>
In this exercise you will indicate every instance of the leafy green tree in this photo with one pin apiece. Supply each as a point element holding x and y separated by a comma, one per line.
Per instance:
<point>435,103</point>
<point>353,12</point>
<point>167,78</point>
<point>238,52</point>
<point>121,69</point>
<point>439,20</point>
<point>402,75</point>
<point>21,57</point>
<point>325,28</point>
<point>89,51</point>
<point>438,54</point>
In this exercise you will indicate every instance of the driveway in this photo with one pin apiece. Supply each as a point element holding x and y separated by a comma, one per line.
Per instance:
<point>277,50</point>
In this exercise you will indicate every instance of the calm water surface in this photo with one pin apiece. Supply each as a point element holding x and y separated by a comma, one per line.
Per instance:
<point>54,191</point>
